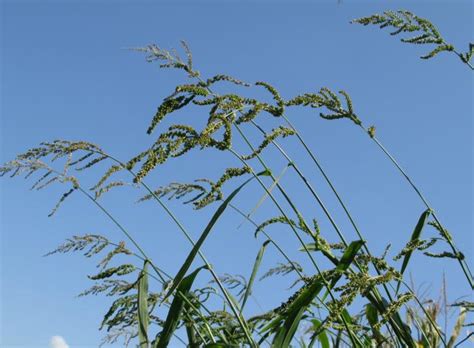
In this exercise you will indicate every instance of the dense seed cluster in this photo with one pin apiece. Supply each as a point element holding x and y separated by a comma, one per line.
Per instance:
<point>269,138</point>
<point>406,22</point>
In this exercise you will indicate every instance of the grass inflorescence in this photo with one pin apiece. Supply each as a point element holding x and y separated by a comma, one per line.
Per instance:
<point>330,274</point>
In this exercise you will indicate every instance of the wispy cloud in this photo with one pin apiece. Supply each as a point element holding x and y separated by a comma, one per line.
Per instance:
<point>58,342</point>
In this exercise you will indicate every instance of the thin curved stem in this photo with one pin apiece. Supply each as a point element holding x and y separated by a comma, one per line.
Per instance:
<point>462,59</point>
<point>318,199</point>
<point>326,284</point>
<point>464,266</point>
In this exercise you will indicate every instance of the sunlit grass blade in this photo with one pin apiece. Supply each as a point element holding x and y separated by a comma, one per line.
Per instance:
<point>304,299</point>
<point>258,261</point>
<point>414,237</point>
<point>285,334</point>
<point>306,296</point>
<point>265,195</point>
<point>143,318</point>
<point>175,310</point>
<point>372,317</point>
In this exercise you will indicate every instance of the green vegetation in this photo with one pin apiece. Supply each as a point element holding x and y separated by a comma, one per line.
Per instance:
<point>342,273</point>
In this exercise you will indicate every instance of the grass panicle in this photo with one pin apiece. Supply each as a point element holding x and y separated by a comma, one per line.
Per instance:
<point>334,273</point>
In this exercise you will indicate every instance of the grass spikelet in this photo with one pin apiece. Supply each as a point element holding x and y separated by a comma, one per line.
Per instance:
<point>332,102</point>
<point>119,249</point>
<point>371,131</point>
<point>113,169</point>
<point>37,183</point>
<point>95,243</point>
<point>307,99</point>
<point>441,230</point>
<point>216,122</point>
<point>176,190</point>
<point>82,159</point>
<point>269,138</point>
<point>393,308</point>
<point>215,194</point>
<point>170,59</point>
<point>155,157</point>
<point>108,187</point>
<point>236,282</point>
<point>280,108</point>
<point>193,89</point>
<point>110,287</point>
<point>418,244</point>
<point>251,114</point>
<point>61,200</point>
<point>109,272</point>
<point>458,256</point>
<point>467,56</point>
<point>274,220</point>
<point>168,106</point>
<point>406,22</point>
<point>282,269</point>
<point>209,82</point>
<point>92,162</point>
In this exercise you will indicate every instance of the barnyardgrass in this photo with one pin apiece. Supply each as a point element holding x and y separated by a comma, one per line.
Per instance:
<point>332,280</point>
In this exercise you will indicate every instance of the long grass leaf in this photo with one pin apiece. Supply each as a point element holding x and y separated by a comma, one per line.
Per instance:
<point>322,337</point>
<point>197,246</point>
<point>307,295</point>
<point>372,317</point>
<point>265,195</point>
<point>290,329</point>
<point>414,237</point>
<point>293,313</point>
<point>143,319</point>
<point>304,299</point>
<point>256,265</point>
<point>175,310</point>
<point>348,257</point>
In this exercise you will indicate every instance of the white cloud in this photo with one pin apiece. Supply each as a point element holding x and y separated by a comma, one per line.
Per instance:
<point>58,342</point>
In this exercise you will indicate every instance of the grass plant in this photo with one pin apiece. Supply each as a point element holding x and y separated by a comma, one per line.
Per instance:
<point>333,274</point>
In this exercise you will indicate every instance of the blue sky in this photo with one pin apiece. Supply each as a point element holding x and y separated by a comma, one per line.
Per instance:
<point>65,74</point>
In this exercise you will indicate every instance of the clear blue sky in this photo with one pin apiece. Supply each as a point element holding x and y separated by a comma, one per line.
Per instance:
<point>66,75</point>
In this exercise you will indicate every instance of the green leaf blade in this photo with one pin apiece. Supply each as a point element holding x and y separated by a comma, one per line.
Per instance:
<point>175,310</point>
<point>143,318</point>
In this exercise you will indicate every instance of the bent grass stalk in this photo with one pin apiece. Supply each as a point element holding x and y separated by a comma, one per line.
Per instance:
<point>376,294</point>
<point>285,255</point>
<point>464,266</point>
<point>315,195</point>
<point>353,337</point>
